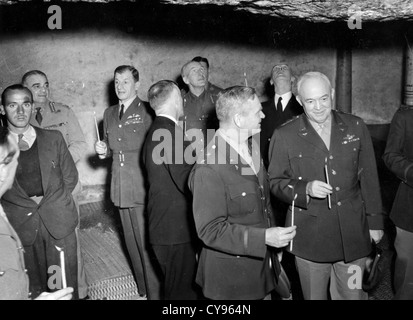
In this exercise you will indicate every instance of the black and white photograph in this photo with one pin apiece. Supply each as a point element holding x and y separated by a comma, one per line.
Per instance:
<point>206,154</point>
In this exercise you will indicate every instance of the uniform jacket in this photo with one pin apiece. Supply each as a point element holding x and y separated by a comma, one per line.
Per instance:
<point>60,117</point>
<point>57,208</point>
<point>398,157</point>
<point>272,121</point>
<point>199,112</point>
<point>14,282</point>
<point>297,156</point>
<point>125,139</point>
<point>169,198</point>
<point>231,211</point>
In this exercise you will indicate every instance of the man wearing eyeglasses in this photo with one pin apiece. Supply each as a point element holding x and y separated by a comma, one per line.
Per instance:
<point>40,205</point>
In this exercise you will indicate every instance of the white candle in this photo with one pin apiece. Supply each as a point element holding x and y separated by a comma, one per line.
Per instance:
<point>62,266</point>
<point>292,220</point>
<point>96,125</point>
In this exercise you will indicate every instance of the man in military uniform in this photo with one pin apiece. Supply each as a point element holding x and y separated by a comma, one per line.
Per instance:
<point>52,115</point>
<point>231,206</point>
<point>398,157</point>
<point>125,126</point>
<point>14,282</point>
<point>199,104</point>
<point>326,160</point>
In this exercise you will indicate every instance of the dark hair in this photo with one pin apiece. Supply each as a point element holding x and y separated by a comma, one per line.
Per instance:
<point>122,69</point>
<point>15,87</point>
<point>159,92</point>
<point>32,73</point>
<point>201,59</point>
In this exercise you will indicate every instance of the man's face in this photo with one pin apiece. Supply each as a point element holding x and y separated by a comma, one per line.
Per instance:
<point>195,75</point>
<point>18,108</point>
<point>252,119</point>
<point>316,97</point>
<point>39,86</point>
<point>8,164</point>
<point>125,85</point>
<point>281,72</point>
<point>204,65</point>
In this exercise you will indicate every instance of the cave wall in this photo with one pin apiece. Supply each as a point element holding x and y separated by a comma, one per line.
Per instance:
<point>80,58</point>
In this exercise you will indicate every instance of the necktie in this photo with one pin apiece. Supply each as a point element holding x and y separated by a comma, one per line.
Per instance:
<point>323,133</point>
<point>279,105</point>
<point>39,116</point>
<point>122,107</point>
<point>23,145</point>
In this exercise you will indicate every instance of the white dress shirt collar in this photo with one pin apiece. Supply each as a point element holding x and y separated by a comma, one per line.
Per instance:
<point>127,103</point>
<point>29,136</point>
<point>285,99</point>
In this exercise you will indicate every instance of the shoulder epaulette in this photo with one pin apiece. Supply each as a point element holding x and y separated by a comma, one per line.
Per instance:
<point>290,120</point>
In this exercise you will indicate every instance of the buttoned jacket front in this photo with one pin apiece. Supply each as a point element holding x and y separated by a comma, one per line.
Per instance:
<point>297,156</point>
<point>125,140</point>
<point>232,211</point>
<point>56,209</point>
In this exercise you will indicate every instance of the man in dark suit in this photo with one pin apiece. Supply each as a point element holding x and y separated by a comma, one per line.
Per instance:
<point>40,205</point>
<point>398,157</point>
<point>280,109</point>
<point>326,158</point>
<point>14,282</point>
<point>231,206</point>
<point>171,226</point>
<point>125,126</point>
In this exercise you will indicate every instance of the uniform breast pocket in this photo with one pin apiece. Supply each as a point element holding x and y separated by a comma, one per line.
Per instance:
<point>243,198</point>
<point>300,163</point>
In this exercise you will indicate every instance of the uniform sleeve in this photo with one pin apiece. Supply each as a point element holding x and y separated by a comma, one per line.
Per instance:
<point>77,143</point>
<point>211,220</point>
<point>67,165</point>
<point>105,132</point>
<point>282,181</point>
<point>394,156</point>
<point>369,181</point>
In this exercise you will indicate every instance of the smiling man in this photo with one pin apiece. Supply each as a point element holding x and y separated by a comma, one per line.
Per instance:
<point>125,126</point>
<point>40,205</point>
<point>231,206</point>
<point>336,221</point>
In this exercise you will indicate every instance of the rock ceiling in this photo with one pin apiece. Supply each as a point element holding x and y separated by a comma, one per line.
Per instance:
<point>308,10</point>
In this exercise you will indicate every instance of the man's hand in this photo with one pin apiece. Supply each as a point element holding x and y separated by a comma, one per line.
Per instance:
<point>376,235</point>
<point>279,237</point>
<point>63,294</point>
<point>101,149</point>
<point>318,189</point>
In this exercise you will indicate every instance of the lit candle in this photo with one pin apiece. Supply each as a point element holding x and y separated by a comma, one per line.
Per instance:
<point>328,181</point>
<point>245,78</point>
